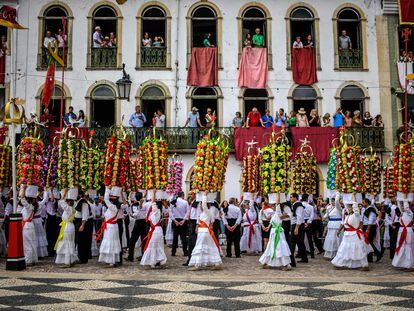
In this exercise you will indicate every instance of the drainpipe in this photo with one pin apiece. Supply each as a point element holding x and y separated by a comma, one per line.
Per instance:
<point>176,108</point>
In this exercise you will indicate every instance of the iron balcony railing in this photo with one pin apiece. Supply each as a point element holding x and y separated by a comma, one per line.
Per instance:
<point>350,59</point>
<point>154,57</point>
<point>367,137</point>
<point>44,62</point>
<point>104,57</point>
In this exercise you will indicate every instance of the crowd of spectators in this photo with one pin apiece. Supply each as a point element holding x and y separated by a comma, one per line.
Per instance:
<point>101,41</point>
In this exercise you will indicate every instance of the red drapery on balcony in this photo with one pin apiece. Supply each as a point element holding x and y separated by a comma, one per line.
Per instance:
<point>203,69</point>
<point>253,68</point>
<point>2,68</point>
<point>304,66</point>
<point>320,139</point>
<point>406,12</point>
<point>55,132</point>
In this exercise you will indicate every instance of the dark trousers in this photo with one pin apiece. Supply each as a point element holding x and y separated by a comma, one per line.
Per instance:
<point>371,237</point>
<point>126,228</point>
<point>299,241</point>
<point>317,232</point>
<point>233,237</point>
<point>52,233</point>
<point>393,238</point>
<point>309,235</point>
<point>179,231</point>
<point>192,237</point>
<point>83,239</point>
<point>139,231</point>
<point>120,223</point>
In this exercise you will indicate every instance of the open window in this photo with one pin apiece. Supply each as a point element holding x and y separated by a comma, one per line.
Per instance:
<point>203,22</point>
<point>204,98</point>
<point>152,100</point>
<point>105,51</point>
<point>154,39</point>
<point>55,27</point>
<point>255,98</point>
<point>305,97</point>
<point>352,99</point>
<point>103,106</point>
<point>4,51</point>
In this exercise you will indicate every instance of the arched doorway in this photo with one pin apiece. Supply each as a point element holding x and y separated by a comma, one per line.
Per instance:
<point>258,98</point>
<point>102,109</point>
<point>203,20</point>
<point>352,98</point>
<point>204,98</point>
<point>153,99</point>
<point>304,97</point>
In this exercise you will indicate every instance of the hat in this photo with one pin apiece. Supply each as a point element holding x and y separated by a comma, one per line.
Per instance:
<point>72,194</point>
<point>31,191</point>
<point>302,111</point>
<point>194,109</point>
<point>116,191</point>
<point>97,28</point>
<point>92,193</point>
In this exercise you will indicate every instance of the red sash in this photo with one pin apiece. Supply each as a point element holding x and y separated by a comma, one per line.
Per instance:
<point>202,224</point>
<point>403,236</point>
<point>147,239</point>
<point>28,219</point>
<point>148,214</point>
<point>359,232</point>
<point>251,229</point>
<point>111,221</point>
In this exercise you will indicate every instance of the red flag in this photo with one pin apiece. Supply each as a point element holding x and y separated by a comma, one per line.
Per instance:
<point>49,85</point>
<point>406,8</point>
<point>8,17</point>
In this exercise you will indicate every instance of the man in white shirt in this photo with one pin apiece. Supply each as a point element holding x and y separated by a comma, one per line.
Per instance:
<point>308,215</point>
<point>61,39</point>
<point>297,230</point>
<point>159,119</point>
<point>48,39</point>
<point>179,211</point>
<point>97,38</point>
<point>140,230</point>
<point>232,218</point>
<point>369,225</point>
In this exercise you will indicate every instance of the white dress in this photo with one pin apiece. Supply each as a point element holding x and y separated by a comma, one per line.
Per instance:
<point>280,255</point>
<point>110,249</point>
<point>65,251</point>
<point>40,232</point>
<point>332,240</point>
<point>154,253</point>
<point>206,252</point>
<point>404,254</point>
<point>353,251</point>
<point>251,240</point>
<point>387,224</point>
<point>29,234</point>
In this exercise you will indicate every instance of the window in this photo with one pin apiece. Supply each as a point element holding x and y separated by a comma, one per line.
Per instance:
<point>352,99</point>
<point>105,50</point>
<point>153,99</point>
<point>4,51</point>
<point>350,29</point>
<point>53,23</point>
<point>55,106</point>
<point>305,97</point>
<point>4,39</point>
<point>258,98</point>
<point>153,41</point>
<point>103,105</point>
<point>204,98</point>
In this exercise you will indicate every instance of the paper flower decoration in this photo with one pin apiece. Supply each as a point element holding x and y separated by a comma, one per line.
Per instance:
<point>155,154</point>
<point>349,169</point>
<point>69,162</point>
<point>371,175</point>
<point>91,168</point>
<point>388,178</point>
<point>5,165</point>
<point>304,173</point>
<point>116,170</point>
<point>50,166</point>
<point>29,159</point>
<point>332,168</point>
<point>403,167</point>
<point>175,177</point>
<point>251,174</point>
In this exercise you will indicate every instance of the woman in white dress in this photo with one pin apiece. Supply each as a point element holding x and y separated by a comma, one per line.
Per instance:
<point>404,253</point>
<point>332,240</point>
<point>65,245</point>
<point>355,247</point>
<point>154,254</point>
<point>251,240</point>
<point>110,250</point>
<point>40,230</point>
<point>277,253</point>
<point>387,223</point>
<point>206,252</point>
<point>29,232</point>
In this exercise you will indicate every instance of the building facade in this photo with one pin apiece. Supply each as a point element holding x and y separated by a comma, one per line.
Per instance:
<point>348,79</point>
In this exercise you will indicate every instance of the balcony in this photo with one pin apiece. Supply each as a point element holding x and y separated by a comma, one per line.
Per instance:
<point>44,61</point>
<point>365,137</point>
<point>350,59</point>
<point>154,57</point>
<point>104,58</point>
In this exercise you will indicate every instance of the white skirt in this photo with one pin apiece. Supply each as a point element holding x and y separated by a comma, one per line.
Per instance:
<point>352,253</point>
<point>387,236</point>
<point>110,249</point>
<point>332,240</point>
<point>94,245</point>
<point>282,257</point>
<point>405,256</point>
<point>65,252</point>
<point>155,251</point>
<point>256,240</point>
<point>205,252</point>
<point>41,237</point>
<point>169,233</point>
<point>30,243</point>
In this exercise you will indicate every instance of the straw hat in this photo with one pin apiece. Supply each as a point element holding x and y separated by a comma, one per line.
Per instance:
<point>302,111</point>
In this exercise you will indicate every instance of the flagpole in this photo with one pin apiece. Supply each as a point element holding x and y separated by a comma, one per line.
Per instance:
<point>63,74</point>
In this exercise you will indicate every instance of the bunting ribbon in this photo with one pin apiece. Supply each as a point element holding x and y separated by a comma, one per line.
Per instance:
<point>278,230</point>
<point>147,239</point>
<point>359,232</point>
<point>111,221</point>
<point>403,235</point>
<point>251,229</point>
<point>202,224</point>
<point>63,227</point>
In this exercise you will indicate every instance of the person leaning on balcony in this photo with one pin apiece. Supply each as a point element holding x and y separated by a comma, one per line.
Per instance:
<point>61,39</point>
<point>298,43</point>
<point>356,120</point>
<point>81,119</point>
<point>367,120</point>
<point>308,42</point>
<point>146,41</point>
<point>378,121</point>
<point>247,40</point>
<point>326,120</point>
<point>193,119</point>
<point>301,118</point>
<point>237,121</point>
<point>69,117</point>
<point>281,118</point>
<point>291,121</point>
<point>267,119</point>
<point>347,119</point>
<point>254,119</point>
<point>158,42</point>
<point>159,118</point>
<point>338,118</point>
<point>97,37</point>
<point>315,120</point>
<point>48,39</point>
<point>344,42</point>
<point>206,41</point>
<point>137,119</point>
<point>210,117</point>
<point>47,119</point>
<point>112,39</point>
<point>258,39</point>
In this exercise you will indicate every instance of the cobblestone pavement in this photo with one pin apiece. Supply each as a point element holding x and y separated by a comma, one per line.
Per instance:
<point>242,284</point>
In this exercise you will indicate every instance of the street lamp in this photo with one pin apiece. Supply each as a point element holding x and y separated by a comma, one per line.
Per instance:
<point>124,85</point>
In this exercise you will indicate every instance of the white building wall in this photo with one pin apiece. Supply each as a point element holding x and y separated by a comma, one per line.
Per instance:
<point>79,79</point>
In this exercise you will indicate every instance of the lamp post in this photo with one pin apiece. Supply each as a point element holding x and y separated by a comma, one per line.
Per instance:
<point>124,85</point>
